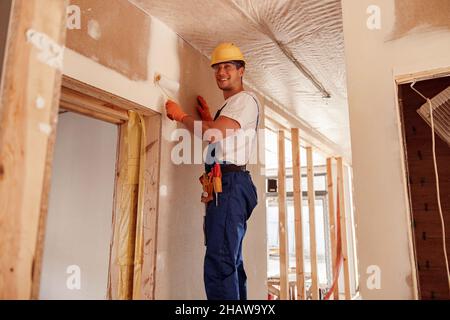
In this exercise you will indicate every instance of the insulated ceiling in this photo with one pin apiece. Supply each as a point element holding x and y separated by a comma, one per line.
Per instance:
<point>294,51</point>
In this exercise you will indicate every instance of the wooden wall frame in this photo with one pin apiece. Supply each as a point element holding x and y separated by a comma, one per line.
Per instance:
<point>312,225</point>
<point>333,229</point>
<point>93,102</point>
<point>341,203</point>
<point>296,173</point>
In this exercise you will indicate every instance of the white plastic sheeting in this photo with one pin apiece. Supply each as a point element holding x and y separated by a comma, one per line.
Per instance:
<point>276,37</point>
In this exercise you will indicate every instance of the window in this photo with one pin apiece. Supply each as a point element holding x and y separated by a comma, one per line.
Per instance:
<point>322,234</point>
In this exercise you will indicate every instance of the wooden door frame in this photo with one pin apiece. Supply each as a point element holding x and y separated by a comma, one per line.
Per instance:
<point>421,75</point>
<point>93,102</point>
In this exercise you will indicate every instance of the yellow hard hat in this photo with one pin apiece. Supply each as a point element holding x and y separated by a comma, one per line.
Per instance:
<point>226,51</point>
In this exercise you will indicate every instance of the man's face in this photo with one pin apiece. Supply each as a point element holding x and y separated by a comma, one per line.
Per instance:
<point>228,77</point>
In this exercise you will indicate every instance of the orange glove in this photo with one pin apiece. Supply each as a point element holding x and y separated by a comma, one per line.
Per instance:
<point>174,111</point>
<point>203,109</point>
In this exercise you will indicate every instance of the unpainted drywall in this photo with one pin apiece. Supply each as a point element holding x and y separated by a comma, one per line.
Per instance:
<point>5,9</point>
<point>114,33</point>
<point>179,273</point>
<point>419,16</point>
<point>78,230</point>
<point>382,215</point>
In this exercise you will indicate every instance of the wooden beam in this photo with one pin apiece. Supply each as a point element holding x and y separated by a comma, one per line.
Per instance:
<point>340,184</point>
<point>312,224</point>
<point>92,104</point>
<point>121,160</point>
<point>30,96</point>
<point>422,75</point>
<point>282,223</point>
<point>151,196</point>
<point>273,291</point>
<point>37,266</point>
<point>331,215</point>
<point>89,113</point>
<point>300,277</point>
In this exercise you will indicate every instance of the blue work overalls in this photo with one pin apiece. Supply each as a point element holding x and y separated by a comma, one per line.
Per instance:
<point>225,226</point>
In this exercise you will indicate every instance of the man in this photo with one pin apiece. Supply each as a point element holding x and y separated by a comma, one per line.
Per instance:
<point>227,212</point>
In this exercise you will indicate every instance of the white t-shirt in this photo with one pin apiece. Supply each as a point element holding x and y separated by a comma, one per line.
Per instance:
<point>236,148</point>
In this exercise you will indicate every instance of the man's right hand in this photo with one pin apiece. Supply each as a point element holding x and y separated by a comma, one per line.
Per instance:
<point>174,111</point>
<point>203,109</point>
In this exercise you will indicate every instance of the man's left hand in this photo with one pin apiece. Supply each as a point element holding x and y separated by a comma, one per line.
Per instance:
<point>203,109</point>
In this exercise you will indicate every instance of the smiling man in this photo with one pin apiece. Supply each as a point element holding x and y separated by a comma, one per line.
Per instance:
<point>227,211</point>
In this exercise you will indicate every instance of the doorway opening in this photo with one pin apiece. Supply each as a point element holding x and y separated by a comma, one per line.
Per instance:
<point>79,229</point>
<point>97,238</point>
<point>427,235</point>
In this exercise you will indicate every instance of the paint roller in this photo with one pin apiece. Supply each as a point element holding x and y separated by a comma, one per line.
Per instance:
<point>167,86</point>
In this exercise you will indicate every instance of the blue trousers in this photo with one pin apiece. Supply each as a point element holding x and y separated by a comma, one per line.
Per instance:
<point>225,227</point>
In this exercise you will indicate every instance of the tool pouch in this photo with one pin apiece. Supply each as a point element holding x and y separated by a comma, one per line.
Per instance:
<point>208,187</point>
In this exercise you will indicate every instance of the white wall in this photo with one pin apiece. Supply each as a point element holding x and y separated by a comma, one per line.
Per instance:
<point>382,216</point>
<point>180,237</point>
<point>78,230</point>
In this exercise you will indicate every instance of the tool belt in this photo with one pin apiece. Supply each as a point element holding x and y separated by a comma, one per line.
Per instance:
<point>225,168</point>
<point>211,180</point>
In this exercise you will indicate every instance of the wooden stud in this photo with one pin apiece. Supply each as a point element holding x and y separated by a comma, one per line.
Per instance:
<point>151,196</point>
<point>312,224</point>
<point>300,277</point>
<point>273,290</point>
<point>29,95</point>
<point>273,285</point>
<point>284,251</point>
<point>340,185</point>
<point>331,214</point>
<point>37,265</point>
<point>114,269</point>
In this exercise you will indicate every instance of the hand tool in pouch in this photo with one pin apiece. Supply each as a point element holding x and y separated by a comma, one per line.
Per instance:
<point>217,181</point>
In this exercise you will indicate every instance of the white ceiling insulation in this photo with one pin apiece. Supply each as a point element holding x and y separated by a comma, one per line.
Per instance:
<point>294,51</point>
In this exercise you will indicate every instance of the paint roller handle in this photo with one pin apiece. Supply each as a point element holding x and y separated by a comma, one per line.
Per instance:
<point>203,109</point>
<point>174,111</point>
